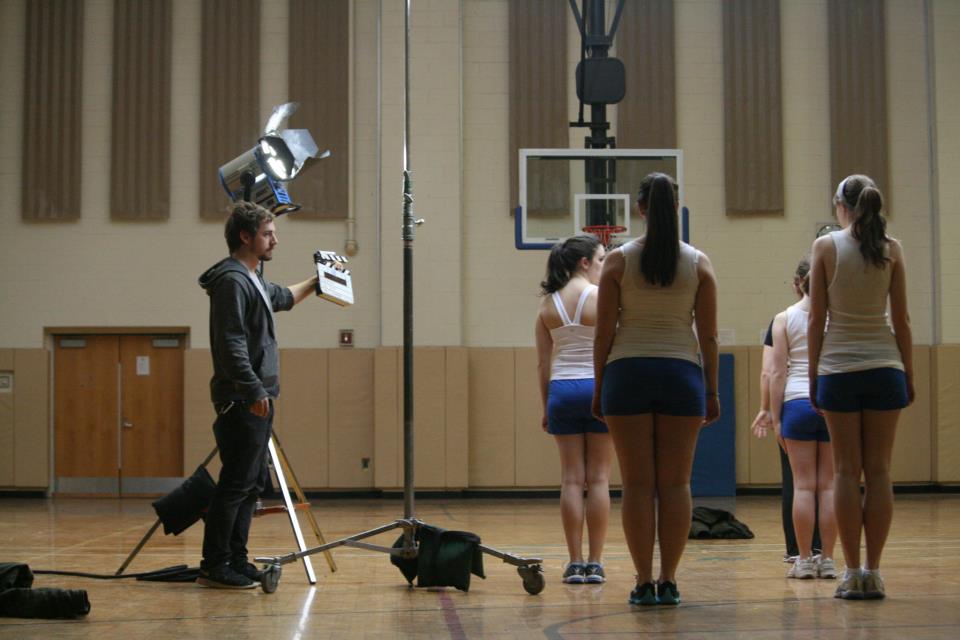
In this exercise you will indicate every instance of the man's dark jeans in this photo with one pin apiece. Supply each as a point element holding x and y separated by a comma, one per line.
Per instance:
<point>242,438</point>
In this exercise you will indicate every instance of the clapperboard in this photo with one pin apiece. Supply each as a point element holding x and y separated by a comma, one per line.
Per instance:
<point>332,284</point>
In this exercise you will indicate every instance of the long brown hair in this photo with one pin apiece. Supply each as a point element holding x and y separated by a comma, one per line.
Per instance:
<point>661,249</point>
<point>563,261</point>
<point>860,194</point>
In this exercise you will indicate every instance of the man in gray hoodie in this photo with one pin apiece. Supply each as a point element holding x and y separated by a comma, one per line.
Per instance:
<point>243,343</point>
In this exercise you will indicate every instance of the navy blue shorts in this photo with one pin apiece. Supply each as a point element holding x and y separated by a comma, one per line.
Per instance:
<point>667,386</point>
<point>799,421</point>
<point>883,389</point>
<point>568,408</point>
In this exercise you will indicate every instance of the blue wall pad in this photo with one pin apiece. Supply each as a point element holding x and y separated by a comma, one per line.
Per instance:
<point>715,463</point>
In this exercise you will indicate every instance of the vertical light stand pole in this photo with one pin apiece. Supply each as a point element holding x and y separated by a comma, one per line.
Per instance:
<point>408,232</point>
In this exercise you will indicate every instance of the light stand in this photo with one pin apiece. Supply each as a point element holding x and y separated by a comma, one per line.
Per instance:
<point>530,569</point>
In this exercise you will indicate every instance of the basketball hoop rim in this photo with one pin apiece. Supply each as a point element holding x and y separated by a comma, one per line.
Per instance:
<point>604,231</point>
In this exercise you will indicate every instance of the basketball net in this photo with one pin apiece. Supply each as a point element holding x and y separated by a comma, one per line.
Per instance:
<point>604,232</point>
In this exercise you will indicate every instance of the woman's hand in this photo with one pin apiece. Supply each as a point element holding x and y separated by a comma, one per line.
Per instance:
<point>713,410</point>
<point>813,396</point>
<point>596,408</point>
<point>777,427</point>
<point>762,424</point>
<point>911,392</point>
<point>544,423</point>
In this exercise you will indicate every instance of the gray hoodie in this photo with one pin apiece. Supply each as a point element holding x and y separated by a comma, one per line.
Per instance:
<point>243,338</point>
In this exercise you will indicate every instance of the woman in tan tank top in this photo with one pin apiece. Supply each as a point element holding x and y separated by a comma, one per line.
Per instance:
<point>861,374</point>
<point>656,381</point>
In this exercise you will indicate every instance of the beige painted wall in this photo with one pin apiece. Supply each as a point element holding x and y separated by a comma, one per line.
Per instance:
<point>25,420</point>
<point>946,31</point>
<point>473,289</point>
<point>477,419</point>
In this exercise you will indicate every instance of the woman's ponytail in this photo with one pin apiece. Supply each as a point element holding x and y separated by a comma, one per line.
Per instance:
<point>870,227</point>
<point>661,248</point>
<point>563,261</point>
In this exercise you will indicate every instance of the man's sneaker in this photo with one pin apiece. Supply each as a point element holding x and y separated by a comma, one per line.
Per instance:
<point>851,585</point>
<point>826,568</point>
<point>789,559</point>
<point>593,573</point>
<point>873,588</point>
<point>575,573</point>
<point>803,569</point>
<point>225,578</point>
<point>667,593</point>
<point>644,594</point>
<point>247,569</point>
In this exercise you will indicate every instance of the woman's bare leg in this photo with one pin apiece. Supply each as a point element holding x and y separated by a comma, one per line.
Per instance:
<point>847,464</point>
<point>599,459</point>
<point>633,442</point>
<point>825,498</point>
<point>675,441</point>
<point>879,428</point>
<point>803,461</point>
<point>572,475</point>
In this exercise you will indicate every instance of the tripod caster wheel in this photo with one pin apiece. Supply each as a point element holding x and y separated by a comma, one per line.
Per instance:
<point>270,578</point>
<point>533,581</point>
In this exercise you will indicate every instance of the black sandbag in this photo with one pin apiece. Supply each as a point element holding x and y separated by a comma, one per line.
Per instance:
<point>44,603</point>
<point>717,524</point>
<point>186,504</point>
<point>15,575</point>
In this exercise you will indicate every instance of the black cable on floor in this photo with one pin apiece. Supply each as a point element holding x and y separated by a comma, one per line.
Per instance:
<point>176,573</point>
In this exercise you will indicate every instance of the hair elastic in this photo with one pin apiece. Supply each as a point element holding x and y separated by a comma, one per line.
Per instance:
<point>839,195</point>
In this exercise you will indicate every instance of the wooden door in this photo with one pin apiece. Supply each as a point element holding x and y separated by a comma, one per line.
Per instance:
<point>86,409</point>
<point>151,414</point>
<point>118,402</point>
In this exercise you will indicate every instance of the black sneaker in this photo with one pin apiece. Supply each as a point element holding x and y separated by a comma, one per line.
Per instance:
<point>644,594</point>
<point>575,573</point>
<point>667,593</point>
<point>247,569</point>
<point>593,574</point>
<point>224,577</point>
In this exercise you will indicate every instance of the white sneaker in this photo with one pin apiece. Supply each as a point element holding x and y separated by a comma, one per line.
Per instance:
<point>873,588</point>
<point>803,569</point>
<point>826,568</point>
<point>850,586</point>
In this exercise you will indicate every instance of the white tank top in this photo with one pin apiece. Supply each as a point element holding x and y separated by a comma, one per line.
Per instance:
<point>655,321</point>
<point>798,365</point>
<point>858,335</point>
<point>572,342</point>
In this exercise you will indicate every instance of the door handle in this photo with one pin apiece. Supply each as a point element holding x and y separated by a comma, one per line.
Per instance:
<point>126,424</point>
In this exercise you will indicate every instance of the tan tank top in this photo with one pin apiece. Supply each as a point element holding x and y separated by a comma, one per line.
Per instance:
<point>858,335</point>
<point>655,321</point>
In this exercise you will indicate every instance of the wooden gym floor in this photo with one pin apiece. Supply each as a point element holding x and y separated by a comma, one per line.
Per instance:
<point>730,589</point>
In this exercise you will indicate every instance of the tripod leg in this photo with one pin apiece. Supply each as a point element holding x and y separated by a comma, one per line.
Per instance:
<point>298,491</point>
<point>291,511</point>
<point>136,549</point>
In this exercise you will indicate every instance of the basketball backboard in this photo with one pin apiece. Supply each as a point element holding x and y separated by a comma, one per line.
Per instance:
<point>556,203</point>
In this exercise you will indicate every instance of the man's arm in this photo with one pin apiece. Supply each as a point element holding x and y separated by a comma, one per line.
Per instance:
<point>303,289</point>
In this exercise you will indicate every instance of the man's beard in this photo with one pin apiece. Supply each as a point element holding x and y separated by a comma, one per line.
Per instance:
<point>265,257</point>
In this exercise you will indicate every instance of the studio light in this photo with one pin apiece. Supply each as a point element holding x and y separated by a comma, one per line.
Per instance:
<point>259,174</point>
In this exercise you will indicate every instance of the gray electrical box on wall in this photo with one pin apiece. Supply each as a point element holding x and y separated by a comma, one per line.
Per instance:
<point>6,381</point>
